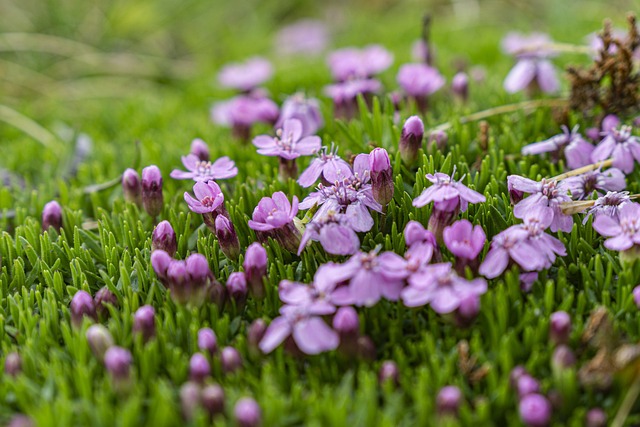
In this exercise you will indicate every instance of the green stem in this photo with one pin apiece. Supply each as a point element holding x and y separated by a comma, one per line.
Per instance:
<point>627,403</point>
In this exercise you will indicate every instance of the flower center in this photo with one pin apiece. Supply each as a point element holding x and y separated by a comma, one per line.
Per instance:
<point>203,168</point>
<point>207,201</point>
<point>287,143</point>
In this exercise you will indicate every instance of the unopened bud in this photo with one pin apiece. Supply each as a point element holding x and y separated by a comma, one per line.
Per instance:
<point>227,237</point>
<point>255,268</point>
<point>213,399</point>
<point>99,339</point>
<point>52,216</point>
<point>103,297</point>
<point>13,364</point>
<point>247,413</point>
<point>389,372</point>
<point>82,305</point>
<point>448,400</point>
<point>381,176</point>
<point>200,149</point>
<point>144,322</point>
<point>411,140</point>
<point>152,198</point>
<point>207,340</point>
<point>164,238</point>
<point>199,368</point>
<point>132,187</point>
<point>230,360</point>
<point>460,86</point>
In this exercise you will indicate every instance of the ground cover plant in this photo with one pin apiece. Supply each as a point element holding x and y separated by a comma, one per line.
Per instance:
<point>385,215</point>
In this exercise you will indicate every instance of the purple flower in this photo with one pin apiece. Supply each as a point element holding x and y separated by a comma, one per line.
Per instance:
<point>623,233</point>
<point>227,237</point>
<point>289,142</point>
<point>237,286</point>
<point>608,205</point>
<point>188,280</point>
<point>13,364</point>
<point>199,368</point>
<point>307,110</point>
<point>526,385</point>
<point>52,216</point>
<point>543,193</point>
<point>448,400</point>
<point>99,339</point>
<point>596,417</point>
<point>304,37</point>
<point>207,340</point>
<point>559,327</point>
<point>460,86</point>
<point>82,305</point>
<point>464,240</point>
<point>370,276</point>
<point>350,63</point>
<point>439,286</point>
<point>535,410</point>
<point>576,150</point>
<point>389,372</point>
<point>333,231</point>
<point>241,112</point>
<point>344,95</point>
<point>164,238</point>
<point>535,223</point>
<point>199,170</point>
<point>255,268</point>
<point>419,80</point>
<point>247,75</point>
<point>144,322</point>
<point>596,44</point>
<point>118,361</point>
<point>411,139</point>
<point>636,296</point>
<point>273,217</point>
<point>446,194</point>
<point>329,165</point>
<point>302,320</point>
<point>620,145</point>
<point>209,197</point>
<point>511,243</point>
<point>583,186</point>
<point>131,187</point>
<point>422,244</point>
<point>230,360</point>
<point>420,52</point>
<point>152,198</point>
<point>533,67</point>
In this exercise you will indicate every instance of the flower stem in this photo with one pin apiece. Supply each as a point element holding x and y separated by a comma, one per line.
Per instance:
<point>627,403</point>
<point>503,109</point>
<point>558,47</point>
<point>580,171</point>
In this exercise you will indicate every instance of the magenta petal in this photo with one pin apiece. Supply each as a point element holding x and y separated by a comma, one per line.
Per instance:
<point>178,174</point>
<point>520,76</point>
<point>607,226</point>
<point>312,173</point>
<point>547,78</point>
<point>365,288</point>
<point>618,243</point>
<point>494,263</point>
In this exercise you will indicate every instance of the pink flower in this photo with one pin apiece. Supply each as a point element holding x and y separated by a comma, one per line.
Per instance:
<point>625,232</point>
<point>621,146</point>
<point>447,194</point>
<point>419,80</point>
<point>532,67</point>
<point>328,165</point>
<point>246,75</point>
<point>543,193</point>
<point>209,197</point>
<point>334,233</point>
<point>464,240</point>
<point>199,170</point>
<point>304,37</point>
<point>288,143</point>
<point>349,63</point>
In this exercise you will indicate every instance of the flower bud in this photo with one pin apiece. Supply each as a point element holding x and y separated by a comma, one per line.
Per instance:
<point>237,287</point>
<point>144,322</point>
<point>152,199</point>
<point>389,372</point>
<point>217,294</point>
<point>381,176</point>
<point>52,216</point>
<point>596,417</point>
<point>160,261</point>
<point>198,270</point>
<point>468,310</point>
<point>515,375</point>
<point>99,339</point>
<point>164,238</point>
<point>535,410</point>
<point>254,335</point>
<point>560,327</point>
<point>199,368</point>
<point>255,268</point>
<point>207,340</point>
<point>213,399</point>
<point>527,385</point>
<point>230,360</point>
<point>563,357</point>
<point>190,399</point>
<point>21,421</point>
<point>200,149</point>
<point>609,122</point>
<point>593,134</point>
<point>460,86</point>
<point>439,139</point>
<point>117,361</point>
<point>448,400</point>
<point>636,296</point>
<point>13,364</point>
<point>81,305</point>
<point>347,323</point>
<point>227,237</point>
<point>247,413</point>
<point>411,140</point>
<point>366,348</point>
<point>131,187</point>
<point>104,296</point>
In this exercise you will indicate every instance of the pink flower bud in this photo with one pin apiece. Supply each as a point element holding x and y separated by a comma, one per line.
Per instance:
<point>144,322</point>
<point>439,139</point>
<point>227,237</point>
<point>609,122</point>
<point>527,385</point>
<point>132,187</point>
<point>596,417</point>
<point>381,176</point>
<point>237,287</point>
<point>346,323</point>
<point>535,410</point>
<point>255,268</point>
<point>21,421</point>
<point>164,238</point>
<point>460,86</point>
<point>82,305</point>
<point>99,339</point>
<point>190,399</point>
<point>200,149</point>
<point>160,261</point>
<point>213,399</point>
<point>563,357</point>
<point>636,296</point>
<point>13,364</point>
<point>103,297</point>
<point>117,361</point>
<point>389,372</point>
<point>560,327</point>
<point>52,216</point>
<point>247,413</point>
<point>448,400</point>
<point>255,333</point>
<point>199,368</point>
<point>411,140</point>
<point>207,340</point>
<point>230,360</point>
<point>152,198</point>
